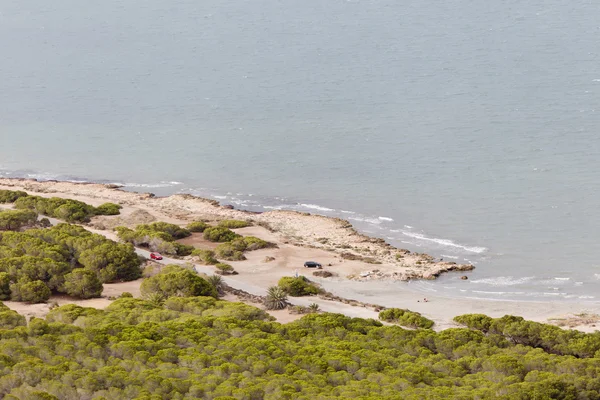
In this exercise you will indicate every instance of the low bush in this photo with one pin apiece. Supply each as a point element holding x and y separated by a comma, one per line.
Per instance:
<point>225,251</point>
<point>197,226</point>
<point>254,243</point>
<point>30,291</point>
<point>183,250</point>
<point>10,196</point>
<point>83,284</point>
<point>66,209</point>
<point>406,318</point>
<point>205,256</point>
<point>108,209</point>
<point>219,234</point>
<point>158,236</point>
<point>234,223</point>
<point>13,220</point>
<point>298,286</point>
<point>224,269</point>
<point>174,280</point>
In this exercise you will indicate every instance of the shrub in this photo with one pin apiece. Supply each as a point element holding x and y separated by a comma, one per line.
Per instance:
<point>13,220</point>
<point>10,196</point>
<point>45,223</point>
<point>234,223</point>
<point>206,256</point>
<point>183,249</point>
<point>108,209</point>
<point>30,291</point>
<point>125,295</point>
<point>219,234</point>
<point>406,318</point>
<point>65,209</point>
<point>254,243</point>
<point>158,236</point>
<point>480,322</point>
<point>298,286</point>
<point>83,284</point>
<point>177,281</point>
<point>226,251</point>
<point>175,231</point>
<point>197,226</point>
<point>217,283</point>
<point>224,269</point>
<point>10,319</point>
<point>276,298</point>
<point>4,286</point>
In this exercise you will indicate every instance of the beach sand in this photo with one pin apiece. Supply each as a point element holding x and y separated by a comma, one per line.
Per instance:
<point>349,255</point>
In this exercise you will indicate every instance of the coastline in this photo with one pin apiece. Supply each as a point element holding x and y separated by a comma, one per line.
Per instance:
<point>374,258</point>
<point>300,236</point>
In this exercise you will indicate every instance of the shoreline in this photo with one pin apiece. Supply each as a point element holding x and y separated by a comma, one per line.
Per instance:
<point>380,260</point>
<point>381,286</point>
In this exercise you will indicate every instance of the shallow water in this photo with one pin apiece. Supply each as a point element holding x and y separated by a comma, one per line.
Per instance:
<point>465,129</point>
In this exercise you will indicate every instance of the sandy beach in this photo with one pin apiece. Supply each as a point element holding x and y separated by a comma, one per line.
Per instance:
<point>365,269</point>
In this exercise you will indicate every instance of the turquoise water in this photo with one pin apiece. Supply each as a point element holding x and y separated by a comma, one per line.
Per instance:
<point>467,130</point>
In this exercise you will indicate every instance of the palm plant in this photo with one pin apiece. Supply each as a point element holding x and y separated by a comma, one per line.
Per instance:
<point>157,299</point>
<point>276,298</point>
<point>313,308</point>
<point>217,283</point>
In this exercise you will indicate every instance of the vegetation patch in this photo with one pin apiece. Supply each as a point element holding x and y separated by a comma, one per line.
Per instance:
<point>226,251</point>
<point>225,269</point>
<point>207,257</point>
<point>406,318</point>
<point>175,281</point>
<point>204,348</point>
<point>219,234</point>
<point>157,236</point>
<point>234,223</point>
<point>14,220</point>
<point>63,259</point>
<point>197,226</point>
<point>66,209</point>
<point>298,286</point>
<point>10,196</point>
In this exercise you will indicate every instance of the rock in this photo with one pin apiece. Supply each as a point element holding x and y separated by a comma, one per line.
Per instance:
<point>464,277</point>
<point>269,259</point>
<point>228,207</point>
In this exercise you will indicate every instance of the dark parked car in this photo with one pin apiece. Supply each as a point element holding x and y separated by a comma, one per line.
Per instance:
<point>312,264</point>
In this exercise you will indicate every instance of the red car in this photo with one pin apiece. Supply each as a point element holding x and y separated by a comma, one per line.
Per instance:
<point>155,256</point>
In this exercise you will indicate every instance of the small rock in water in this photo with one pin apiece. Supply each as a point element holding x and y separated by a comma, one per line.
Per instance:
<point>464,277</point>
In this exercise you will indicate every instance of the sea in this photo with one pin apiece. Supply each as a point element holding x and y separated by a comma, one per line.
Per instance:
<point>469,130</point>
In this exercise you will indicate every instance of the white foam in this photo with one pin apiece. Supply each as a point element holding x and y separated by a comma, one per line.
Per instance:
<point>386,219</point>
<point>220,197</point>
<point>151,185</point>
<point>408,226</point>
<point>445,242</point>
<point>369,220</point>
<point>503,281</point>
<point>498,293</point>
<point>587,297</point>
<point>347,212</point>
<point>274,207</point>
<point>562,279</point>
<point>316,207</point>
<point>452,257</point>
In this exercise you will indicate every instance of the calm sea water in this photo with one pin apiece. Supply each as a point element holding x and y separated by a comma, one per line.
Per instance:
<point>466,129</point>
